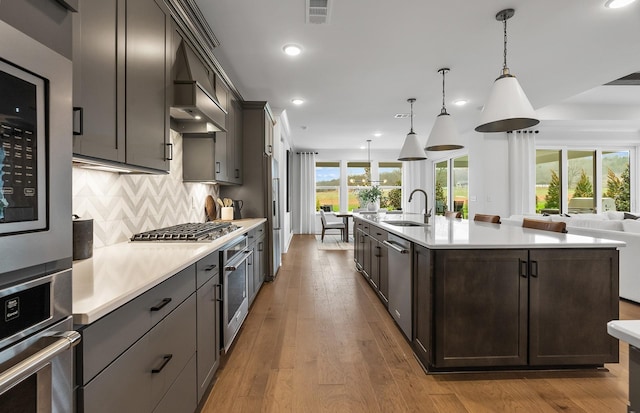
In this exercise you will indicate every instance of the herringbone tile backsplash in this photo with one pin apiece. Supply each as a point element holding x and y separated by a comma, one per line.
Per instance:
<point>122,205</point>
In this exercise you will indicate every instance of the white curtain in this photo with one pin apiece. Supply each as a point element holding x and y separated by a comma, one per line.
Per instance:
<point>522,173</point>
<point>307,215</point>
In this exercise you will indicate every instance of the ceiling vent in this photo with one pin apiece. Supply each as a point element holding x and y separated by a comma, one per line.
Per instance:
<point>630,80</point>
<point>401,115</point>
<point>318,11</point>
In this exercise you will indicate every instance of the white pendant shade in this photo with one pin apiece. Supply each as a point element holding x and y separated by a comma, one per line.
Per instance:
<point>443,136</point>
<point>411,150</point>
<point>507,109</point>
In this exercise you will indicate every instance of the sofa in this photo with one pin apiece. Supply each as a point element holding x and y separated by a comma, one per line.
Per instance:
<point>608,225</point>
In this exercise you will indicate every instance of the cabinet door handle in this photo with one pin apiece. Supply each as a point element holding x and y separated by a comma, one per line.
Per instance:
<point>379,250</point>
<point>165,360</point>
<point>211,267</point>
<point>237,173</point>
<point>80,112</point>
<point>217,167</point>
<point>260,246</point>
<point>523,268</point>
<point>164,302</point>
<point>218,292</point>
<point>170,146</point>
<point>534,269</point>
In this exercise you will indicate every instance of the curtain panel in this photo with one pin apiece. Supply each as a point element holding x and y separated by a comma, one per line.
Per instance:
<point>522,173</point>
<point>307,217</point>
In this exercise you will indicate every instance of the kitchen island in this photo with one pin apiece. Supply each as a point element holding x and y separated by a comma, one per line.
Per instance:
<point>490,296</point>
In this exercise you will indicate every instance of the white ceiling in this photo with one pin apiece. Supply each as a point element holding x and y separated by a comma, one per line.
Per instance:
<point>357,72</point>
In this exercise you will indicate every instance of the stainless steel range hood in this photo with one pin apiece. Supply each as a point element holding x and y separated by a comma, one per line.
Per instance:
<point>195,108</point>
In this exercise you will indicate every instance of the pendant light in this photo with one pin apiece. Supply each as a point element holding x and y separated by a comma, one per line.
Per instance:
<point>507,108</point>
<point>411,150</point>
<point>443,136</point>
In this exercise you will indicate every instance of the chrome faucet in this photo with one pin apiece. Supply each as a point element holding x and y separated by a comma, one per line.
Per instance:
<point>426,213</point>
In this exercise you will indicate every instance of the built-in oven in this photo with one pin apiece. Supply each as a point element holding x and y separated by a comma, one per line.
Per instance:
<point>36,340</point>
<point>235,301</point>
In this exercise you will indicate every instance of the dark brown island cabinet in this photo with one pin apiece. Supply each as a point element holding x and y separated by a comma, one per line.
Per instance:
<point>372,257</point>
<point>485,309</point>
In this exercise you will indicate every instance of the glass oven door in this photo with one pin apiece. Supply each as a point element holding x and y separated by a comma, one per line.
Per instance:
<point>235,297</point>
<point>36,373</point>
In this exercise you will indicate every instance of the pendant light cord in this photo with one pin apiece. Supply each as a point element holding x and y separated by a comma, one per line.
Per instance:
<point>443,111</point>
<point>505,69</point>
<point>411,116</point>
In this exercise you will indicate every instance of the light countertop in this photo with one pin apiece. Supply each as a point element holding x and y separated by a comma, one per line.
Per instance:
<point>448,233</point>
<point>118,273</point>
<point>625,330</point>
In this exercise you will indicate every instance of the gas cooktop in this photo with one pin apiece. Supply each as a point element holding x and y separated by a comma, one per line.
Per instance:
<point>207,231</point>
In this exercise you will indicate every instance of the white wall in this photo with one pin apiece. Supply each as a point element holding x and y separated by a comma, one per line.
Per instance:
<point>282,139</point>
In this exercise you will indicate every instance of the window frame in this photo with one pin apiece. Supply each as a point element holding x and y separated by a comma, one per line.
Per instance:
<point>598,187</point>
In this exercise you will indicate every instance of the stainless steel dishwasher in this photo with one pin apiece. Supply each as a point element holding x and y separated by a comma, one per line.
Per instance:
<point>400,296</point>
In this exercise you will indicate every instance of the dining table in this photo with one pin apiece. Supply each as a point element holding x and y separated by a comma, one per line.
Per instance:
<point>345,219</point>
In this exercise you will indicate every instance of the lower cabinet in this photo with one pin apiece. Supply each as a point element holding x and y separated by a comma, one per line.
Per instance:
<point>208,332</point>
<point>371,257</point>
<point>142,379</point>
<point>257,272</point>
<point>422,298</point>
<point>507,308</point>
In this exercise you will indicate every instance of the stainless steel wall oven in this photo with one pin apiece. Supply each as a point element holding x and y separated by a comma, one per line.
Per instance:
<point>36,328</point>
<point>235,301</point>
<point>36,335</point>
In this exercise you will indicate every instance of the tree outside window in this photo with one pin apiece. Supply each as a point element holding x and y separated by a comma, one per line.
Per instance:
<point>616,175</point>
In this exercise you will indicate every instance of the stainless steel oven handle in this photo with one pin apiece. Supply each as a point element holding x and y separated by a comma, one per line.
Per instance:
<point>236,264</point>
<point>35,362</point>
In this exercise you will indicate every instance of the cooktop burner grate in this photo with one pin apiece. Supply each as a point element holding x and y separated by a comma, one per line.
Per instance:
<point>207,231</point>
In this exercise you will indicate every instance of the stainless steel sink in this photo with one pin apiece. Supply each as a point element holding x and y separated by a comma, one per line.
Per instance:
<point>406,223</point>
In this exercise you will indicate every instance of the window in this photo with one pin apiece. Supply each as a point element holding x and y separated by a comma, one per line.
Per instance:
<point>460,185</point>
<point>452,185</point>
<point>548,188</point>
<point>328,186</point>
<point>390,174</point>
<point>442,187</point>
<point>358,176</point>
<point>580,183</point>
<point>616,181</point>
<point>593,180</point>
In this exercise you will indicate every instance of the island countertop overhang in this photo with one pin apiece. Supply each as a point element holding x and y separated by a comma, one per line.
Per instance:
<point>448,233</point>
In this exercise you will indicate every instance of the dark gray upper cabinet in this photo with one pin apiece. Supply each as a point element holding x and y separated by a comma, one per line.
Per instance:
<point>47,21</point>
<point>122,60</point>
<point>216,157</point>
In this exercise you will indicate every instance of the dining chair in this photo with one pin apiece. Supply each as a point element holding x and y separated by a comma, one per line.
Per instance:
<point>544,225</point>
<point>330,221</point>
<point>453,214</point>
<point>494,219</point>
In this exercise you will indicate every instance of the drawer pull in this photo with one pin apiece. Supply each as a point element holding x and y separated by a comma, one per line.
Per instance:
<point>159,307</point>
<point>211,267</point>
<point>166,359</point>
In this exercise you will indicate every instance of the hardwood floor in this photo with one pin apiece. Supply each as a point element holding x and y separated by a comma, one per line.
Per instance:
<point>318,339</point>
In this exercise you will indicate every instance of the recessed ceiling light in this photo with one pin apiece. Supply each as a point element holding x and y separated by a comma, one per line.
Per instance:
<point>292,49</point>
<point>297,101</point>
<point>460,102</point>
<point>616,4</point>
<point>363,147</point>
<point>377,134</point>
<point>197,117</point>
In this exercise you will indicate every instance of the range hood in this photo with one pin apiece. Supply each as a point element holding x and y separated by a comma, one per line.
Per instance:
<point>194,108</point>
